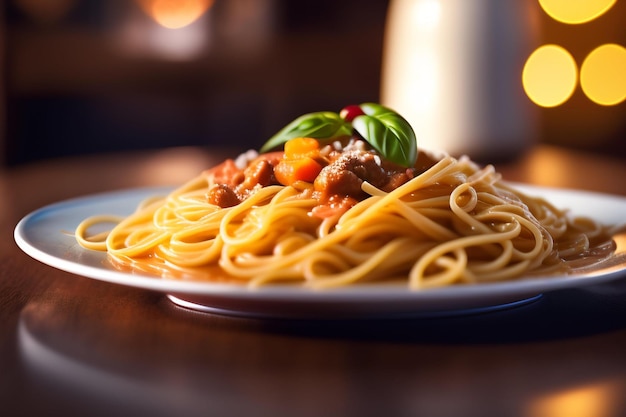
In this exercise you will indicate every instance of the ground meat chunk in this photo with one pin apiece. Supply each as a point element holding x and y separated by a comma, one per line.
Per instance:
<point>261,172</point>
<point>399,178</point>
<point>338,182</point>
<point>344,175</point>
<point>222,195</point>
<point>232,185</point>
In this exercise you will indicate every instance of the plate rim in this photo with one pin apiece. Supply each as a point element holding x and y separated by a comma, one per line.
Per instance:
<point>375,292</point>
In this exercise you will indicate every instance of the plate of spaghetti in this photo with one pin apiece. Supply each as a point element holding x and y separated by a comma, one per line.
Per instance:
<point>338,215</point>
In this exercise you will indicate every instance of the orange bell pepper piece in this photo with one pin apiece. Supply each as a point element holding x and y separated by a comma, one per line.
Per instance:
<point>299,162</point>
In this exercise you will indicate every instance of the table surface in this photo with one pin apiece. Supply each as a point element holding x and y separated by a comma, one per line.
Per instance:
<point>75,346</point>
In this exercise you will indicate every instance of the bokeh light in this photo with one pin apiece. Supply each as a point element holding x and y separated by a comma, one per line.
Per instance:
<point>581,401</point>
<point>550,75</point>
<point>175,14</point>
<point>603,75</point>
<point>575,11</point>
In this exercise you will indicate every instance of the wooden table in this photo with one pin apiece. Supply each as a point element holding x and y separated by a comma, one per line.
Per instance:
<point>75,346</point>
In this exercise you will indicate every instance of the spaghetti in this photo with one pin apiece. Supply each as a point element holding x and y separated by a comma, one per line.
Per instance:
<point>442,221</point>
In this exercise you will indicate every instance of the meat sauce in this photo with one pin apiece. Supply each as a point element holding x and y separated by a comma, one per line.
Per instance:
<point>345,166</point>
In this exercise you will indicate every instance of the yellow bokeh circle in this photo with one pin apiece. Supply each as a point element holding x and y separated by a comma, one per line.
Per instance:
<point>575,11</point>
<point>603,75</point>
<point>550,75</point>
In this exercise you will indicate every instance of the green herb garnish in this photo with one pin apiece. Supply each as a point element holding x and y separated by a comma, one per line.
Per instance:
<point>384,129</point>
<point>320,125</point>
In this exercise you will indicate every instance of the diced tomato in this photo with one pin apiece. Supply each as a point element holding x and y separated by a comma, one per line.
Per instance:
<point>225,173</point>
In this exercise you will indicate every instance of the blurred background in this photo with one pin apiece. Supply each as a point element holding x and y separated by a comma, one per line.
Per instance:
<point>90,76</point>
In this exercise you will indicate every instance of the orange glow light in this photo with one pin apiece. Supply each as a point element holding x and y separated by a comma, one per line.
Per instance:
<point>175,14</point>
<point>583,401</point>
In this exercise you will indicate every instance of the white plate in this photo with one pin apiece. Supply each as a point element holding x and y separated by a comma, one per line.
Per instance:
<point>46,235</point>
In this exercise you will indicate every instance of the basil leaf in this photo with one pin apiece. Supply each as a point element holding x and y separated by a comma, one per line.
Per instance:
<point>384,129</point>
<point>374,109</point>
<point>320,125</point>
<point>388,133</point>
